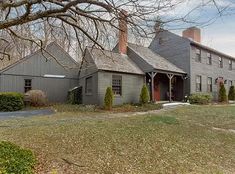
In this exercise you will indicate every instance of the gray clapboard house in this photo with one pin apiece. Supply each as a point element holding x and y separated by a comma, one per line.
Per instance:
<point>172,67</point>
<point>126,69</point>
<point>102,69</point>
<point>206,68</point>
<point>53,72</point>
<point>126,74</point>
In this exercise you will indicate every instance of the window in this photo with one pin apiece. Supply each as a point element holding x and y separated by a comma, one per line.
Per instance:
<point>88,85</point>
<point>117,85</point>
<point>230,83</point>
<point>198,83</point>
<point>209,84</point>
<point>220,62</point>
<point>198,55</point>
<point>27,85</point>
<point>230,64</point>
<point>209,59</point>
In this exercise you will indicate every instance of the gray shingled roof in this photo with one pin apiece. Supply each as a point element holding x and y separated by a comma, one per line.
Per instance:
<point>154,60</point>
<point>110,61</point>
<point>6,62</point>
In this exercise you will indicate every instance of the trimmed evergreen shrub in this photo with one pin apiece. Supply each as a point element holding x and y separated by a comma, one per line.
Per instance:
<point>14,159</point>
<point>108,99</point>
<point>11,101</point>
<point>144,95</point>
<point>200,98</point>
<point>36,98</point>
<point>231,94</point>
<point>222,93</point>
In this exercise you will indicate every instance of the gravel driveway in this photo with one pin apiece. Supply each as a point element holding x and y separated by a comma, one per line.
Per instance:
<point>29,113</point>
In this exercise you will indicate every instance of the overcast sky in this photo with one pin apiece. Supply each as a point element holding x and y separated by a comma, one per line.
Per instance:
<point>219,33</point>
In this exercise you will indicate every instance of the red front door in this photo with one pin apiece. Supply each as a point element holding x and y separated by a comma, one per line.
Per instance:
<point>157,90</point>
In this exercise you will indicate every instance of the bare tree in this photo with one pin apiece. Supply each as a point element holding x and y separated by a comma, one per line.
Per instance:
<point>29,25</point>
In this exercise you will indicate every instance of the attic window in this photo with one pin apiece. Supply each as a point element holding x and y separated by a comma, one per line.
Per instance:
<point>230,64</point>
<point>198,55</point>
<point>117,85</point>
<point>220,62</point>
<point>209,59</point>
<point>27,85</point>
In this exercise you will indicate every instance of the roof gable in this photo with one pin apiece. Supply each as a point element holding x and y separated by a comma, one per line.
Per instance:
<point>154,60</point>
<point>54,51</point>
<point>192,42</point>
<point>110,61</point>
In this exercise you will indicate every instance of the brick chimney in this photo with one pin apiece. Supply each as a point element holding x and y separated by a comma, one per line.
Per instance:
<point>193,33</point>
<point>122,46</point>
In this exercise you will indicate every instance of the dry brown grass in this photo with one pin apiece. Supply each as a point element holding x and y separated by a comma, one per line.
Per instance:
<point>178,141</point>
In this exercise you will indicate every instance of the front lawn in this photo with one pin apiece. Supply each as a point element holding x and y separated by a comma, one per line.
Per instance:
<point>177,141</point>
<point>115,109</point>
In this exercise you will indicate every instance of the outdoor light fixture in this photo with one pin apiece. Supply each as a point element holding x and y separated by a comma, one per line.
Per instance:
<point>185,77</point>
<point>54,76</point>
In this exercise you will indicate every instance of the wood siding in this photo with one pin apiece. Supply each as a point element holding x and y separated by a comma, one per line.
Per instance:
<point>36,66</point>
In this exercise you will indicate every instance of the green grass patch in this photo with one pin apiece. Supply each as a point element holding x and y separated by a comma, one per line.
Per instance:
<point>14,159</point>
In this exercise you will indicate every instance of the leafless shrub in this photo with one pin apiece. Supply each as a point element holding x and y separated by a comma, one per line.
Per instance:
<point>36,98</point>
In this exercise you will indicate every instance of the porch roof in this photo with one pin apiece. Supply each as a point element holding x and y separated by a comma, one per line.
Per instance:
<point>155,61</point>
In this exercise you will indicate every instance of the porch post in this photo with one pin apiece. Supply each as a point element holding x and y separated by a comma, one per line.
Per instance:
<point>170,76</point>
<point>152,75</point>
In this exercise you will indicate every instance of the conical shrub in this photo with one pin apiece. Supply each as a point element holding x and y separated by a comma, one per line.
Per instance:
<point>222,93</point>
<point>108,99</point>
<point>231,94</point>
<point>144,95</point>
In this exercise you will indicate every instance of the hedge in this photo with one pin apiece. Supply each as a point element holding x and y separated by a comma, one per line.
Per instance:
<point>200,98</point>
<point>231,94</point>
<point>14,159</point>
<point>11,101</point>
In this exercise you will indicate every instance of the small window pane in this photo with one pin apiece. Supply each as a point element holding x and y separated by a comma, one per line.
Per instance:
<point>220,62</point>
<point>209,84</point>
<point>117,85</point>
<point>230,83</point>
<point>198,55</point>
<point>209,58</point>
<point>27,85</point>
<point>198,83</point>
<point>230,65</point>
<point>88,87</point>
